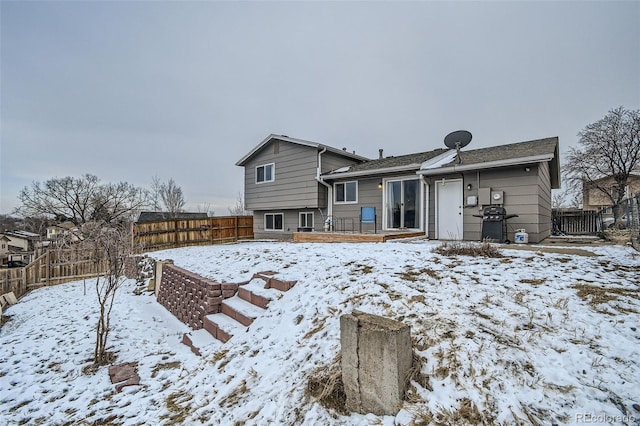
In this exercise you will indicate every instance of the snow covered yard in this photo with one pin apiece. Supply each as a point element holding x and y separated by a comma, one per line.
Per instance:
<point>528,338</point>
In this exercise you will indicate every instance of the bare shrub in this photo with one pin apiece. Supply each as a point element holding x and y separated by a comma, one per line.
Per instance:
<point>459,248</point>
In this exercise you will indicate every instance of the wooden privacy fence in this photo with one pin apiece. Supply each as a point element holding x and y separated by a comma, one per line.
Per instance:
<point>575,222</point>
<point>150,236</point>
<point>54,267</point>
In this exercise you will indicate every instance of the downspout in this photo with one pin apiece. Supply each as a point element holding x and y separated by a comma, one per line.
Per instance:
<point>329,189</point>
<point>426,211</point>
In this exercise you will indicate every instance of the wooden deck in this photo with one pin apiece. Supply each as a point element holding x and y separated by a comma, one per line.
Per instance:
<point>339,237</point>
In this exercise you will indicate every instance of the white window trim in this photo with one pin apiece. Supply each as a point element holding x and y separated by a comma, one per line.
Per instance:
<point>313,219</point>
<point>273,173</point>
<point>335,192</point>
<point>264,224</point>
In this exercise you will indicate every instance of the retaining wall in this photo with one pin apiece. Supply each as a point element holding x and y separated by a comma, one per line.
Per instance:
<point>191,297</point>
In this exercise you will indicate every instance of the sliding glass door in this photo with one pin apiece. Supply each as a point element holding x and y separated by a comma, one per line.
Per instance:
<point>403,204</point>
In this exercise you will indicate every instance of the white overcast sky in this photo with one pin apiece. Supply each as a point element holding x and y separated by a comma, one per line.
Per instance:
<point>182,90</point>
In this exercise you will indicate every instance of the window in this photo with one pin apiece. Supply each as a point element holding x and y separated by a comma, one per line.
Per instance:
<point>265,173</point>
<point>306,219</point>
<point>346,192</point>
<point>274,222</point>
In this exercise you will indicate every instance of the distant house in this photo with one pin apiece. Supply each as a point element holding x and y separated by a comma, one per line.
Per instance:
<point>64,229</point>
<point>18,246</point>
<point>292,184</point>
<point>594,198</point>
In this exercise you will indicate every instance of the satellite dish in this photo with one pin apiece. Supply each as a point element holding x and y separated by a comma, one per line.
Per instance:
<point>456,140</point>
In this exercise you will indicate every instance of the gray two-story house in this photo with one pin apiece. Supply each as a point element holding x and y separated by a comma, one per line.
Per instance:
<point>294,185</point>
<point>283,184</point>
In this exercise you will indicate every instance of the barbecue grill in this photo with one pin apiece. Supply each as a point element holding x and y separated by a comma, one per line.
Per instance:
<point>494,224</point>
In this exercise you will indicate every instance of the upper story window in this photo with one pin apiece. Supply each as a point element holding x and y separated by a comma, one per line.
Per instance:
<point>265,173</point>
<point>346,192</point>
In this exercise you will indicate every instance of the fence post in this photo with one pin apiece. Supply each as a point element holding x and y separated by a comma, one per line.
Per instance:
<point>175,232</point>
<point>48,266</point>
<point>237,234</point>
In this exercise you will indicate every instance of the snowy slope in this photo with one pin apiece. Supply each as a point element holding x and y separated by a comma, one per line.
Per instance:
<point>510,340</point>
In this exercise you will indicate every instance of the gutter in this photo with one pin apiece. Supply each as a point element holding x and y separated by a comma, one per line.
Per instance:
<point>406,168</point>
<point>322,182</point>
<point>488,165</point>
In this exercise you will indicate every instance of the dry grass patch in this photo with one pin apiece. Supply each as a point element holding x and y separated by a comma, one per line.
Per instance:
<point>165,366</point>
<point>325,385</point>
<point>459,248</point>
<point>466,413</point>
<point>177,404</point>
<point>235,396</point>
<point>4,319</point>
<point>319,325</point>
<point>596,295</point>
<point>533,281</point>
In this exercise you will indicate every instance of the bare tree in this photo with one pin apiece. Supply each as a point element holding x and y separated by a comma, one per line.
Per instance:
<point>107,246</point>
<point>154,194</point>
<point>608,148</point>
<point>172,197</point>
<point>566,198</point>
<point>238,209</point>
<point>205,208</point>
<point>81,200</point>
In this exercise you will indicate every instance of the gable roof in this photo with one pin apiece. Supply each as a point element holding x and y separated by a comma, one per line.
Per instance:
<point>386,164</point>
<point>521,153</point>
<point>20,234</point>
<point>522,150</point>
<point>68,225</point>
<point>317,146</point>
<point>528,152</point>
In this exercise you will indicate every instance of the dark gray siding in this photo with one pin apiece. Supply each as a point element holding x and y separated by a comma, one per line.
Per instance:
<point>527,194</point>
<point>544,203</point>
<point>368,196</point>
<point>291,223</point>
<point>294,186</point>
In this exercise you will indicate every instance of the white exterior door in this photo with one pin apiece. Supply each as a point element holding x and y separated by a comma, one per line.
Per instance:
<point>449,218</point>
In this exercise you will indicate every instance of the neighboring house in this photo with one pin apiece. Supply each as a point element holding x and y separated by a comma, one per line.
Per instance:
<point>64,229</point>
<point>18,245</point>
<point>594,199</point>
<point>4,248</point>
<point>289,183</point>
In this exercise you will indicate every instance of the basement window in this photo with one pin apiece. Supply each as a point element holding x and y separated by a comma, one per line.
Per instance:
<point>306,220</point>
<point>274,222</point>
